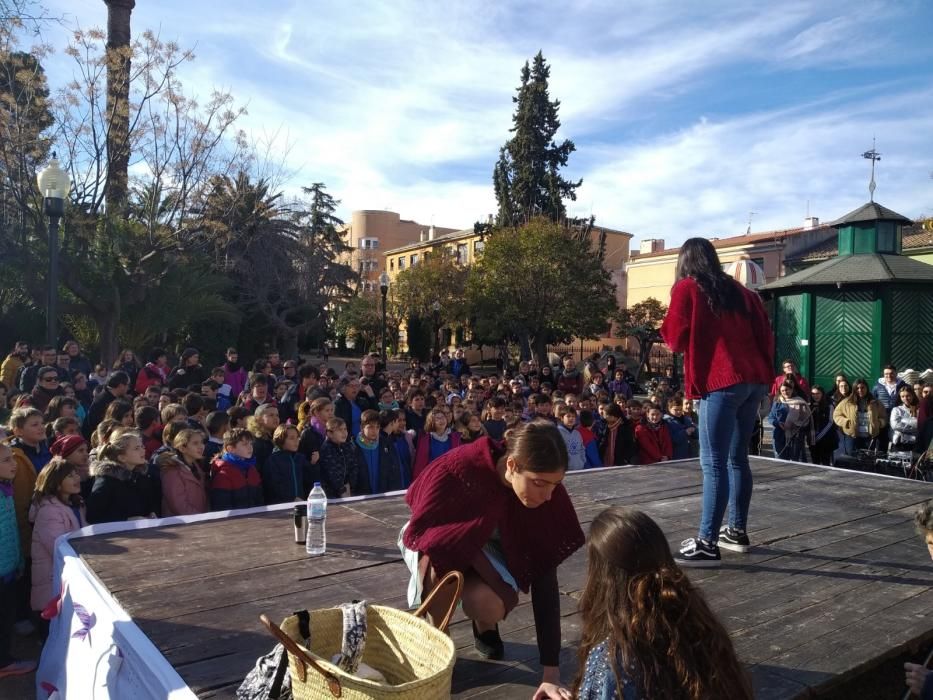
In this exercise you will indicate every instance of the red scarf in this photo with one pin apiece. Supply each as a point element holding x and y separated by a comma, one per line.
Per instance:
<point>459,500</point>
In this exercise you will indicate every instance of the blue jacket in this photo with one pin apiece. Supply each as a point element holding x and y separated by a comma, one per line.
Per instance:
<point>678,431</point>
<point>889,401</point>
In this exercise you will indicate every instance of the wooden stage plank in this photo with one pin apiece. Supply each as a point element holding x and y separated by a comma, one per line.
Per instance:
<point>837,580</point>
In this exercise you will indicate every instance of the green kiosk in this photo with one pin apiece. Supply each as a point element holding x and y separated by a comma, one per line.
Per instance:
<point>859,311</point>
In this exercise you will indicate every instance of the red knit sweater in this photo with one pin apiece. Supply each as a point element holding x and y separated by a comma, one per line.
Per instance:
<point>719,349</point>
<point>459,500</point>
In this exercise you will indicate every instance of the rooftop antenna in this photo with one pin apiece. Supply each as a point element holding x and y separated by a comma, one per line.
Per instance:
<point>872,155</point>
<point>748,231</point>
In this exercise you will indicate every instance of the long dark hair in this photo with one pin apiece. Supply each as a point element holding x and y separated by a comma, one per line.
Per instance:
<point>655,621</point>
<point>698,259</point>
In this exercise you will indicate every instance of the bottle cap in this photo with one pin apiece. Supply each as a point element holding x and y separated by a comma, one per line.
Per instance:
<point>316,484</point>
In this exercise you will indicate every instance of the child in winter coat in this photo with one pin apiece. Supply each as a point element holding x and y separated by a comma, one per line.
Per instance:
<point>378,451</point>
<point>287,474</point>
<point>341,462</point>
<point>393,425</point>
<point>262,425</point>
<point>436,440</point>
<point>31,455</point>
<point>11,565</point>
<point>122,489</point>
<point>57,508</point>
<point>681,428</point>
<point>567,427</point>
<point>235,481</point>
<point>617,443</point>
<point>590,442</point>
<point>653,438</point>
<point>790,416</point>
<point>184,480</point>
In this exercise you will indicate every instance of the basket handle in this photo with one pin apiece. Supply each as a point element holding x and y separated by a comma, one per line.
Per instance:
<point>333,683</point>
<point>450,577</point>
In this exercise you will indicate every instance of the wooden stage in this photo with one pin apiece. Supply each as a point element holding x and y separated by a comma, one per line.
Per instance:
<point>838,580</point>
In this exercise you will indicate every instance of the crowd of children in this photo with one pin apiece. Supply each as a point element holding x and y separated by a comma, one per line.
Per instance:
<point>147,440</point>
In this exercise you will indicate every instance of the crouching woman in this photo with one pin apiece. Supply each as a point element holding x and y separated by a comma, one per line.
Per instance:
<point>498,513</point>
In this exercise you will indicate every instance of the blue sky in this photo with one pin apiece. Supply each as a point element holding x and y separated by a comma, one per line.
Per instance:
<point>686,116</point>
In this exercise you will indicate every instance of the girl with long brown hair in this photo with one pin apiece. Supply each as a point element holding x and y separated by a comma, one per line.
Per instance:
<point>647,631</point>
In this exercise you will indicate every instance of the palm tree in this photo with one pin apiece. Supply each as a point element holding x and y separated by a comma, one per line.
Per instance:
<point>118,101</point>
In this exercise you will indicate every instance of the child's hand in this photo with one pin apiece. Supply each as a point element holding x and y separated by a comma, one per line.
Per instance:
<point>315,456</point>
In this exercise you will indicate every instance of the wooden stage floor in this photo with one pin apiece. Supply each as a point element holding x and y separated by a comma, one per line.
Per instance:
<point>837,582</point>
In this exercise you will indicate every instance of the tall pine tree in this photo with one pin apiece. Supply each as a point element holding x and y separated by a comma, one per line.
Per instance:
<point>527,176</point>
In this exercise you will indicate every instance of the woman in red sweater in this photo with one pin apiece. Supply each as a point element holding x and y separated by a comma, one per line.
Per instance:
<point>728,347</point>
<point>497,512</point>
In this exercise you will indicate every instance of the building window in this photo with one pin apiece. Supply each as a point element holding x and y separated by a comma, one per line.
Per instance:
<point>414,259</point>
<point>462,253</point>
<point>478,247</point>
<point>401,263</point>
<point>369,243</point>
<point>392,264</point>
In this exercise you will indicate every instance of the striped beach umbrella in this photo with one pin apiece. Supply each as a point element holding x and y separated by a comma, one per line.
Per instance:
<point>746,272</point>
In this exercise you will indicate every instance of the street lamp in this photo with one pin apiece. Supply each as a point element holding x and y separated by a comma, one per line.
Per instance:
<point>53,185</point>
<point>436,307</point>
<point>384,288</point>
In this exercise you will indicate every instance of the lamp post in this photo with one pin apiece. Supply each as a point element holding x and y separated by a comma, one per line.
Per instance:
<point>384,288</point>
<point>54,185</point>
<point>436,307</point>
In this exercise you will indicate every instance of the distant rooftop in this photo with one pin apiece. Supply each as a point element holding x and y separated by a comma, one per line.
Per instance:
<point>915,239</point>
<point>468,232</point>
<point>745,239</point>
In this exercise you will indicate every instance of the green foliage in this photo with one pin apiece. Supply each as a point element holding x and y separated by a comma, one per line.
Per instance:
<point>542,282</point>
<point>282,258</point>
<point>642,321</point>
<point>527,176</point>
<point>436,278</point>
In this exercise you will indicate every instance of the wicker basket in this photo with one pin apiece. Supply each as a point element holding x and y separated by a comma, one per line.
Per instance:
<point>416,658</point>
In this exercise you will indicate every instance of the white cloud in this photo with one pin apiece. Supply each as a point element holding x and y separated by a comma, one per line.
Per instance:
<point>705,179</point>
<point>405,104</point>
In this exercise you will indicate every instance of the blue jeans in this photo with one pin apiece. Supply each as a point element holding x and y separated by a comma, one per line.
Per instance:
<point>727,420</point>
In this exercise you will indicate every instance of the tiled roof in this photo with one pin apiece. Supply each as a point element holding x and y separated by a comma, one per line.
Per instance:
<point>857,269</point>
<point>871,211</point>
<point>467,232</point>
<point>747,239</point>
<point>914,238</point>
<point>462,233</point>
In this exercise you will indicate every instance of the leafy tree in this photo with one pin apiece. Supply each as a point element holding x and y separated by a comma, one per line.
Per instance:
<point>360,317</point>
<point>111,262</point>
<point>437,277</point>
<point>527,176</point>
<point>542,282</point>
<point>642,321</point>
<point>282,257</point>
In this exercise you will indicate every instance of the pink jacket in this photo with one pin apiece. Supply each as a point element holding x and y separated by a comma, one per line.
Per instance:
<point>182,492</point>
<point>51,518</point>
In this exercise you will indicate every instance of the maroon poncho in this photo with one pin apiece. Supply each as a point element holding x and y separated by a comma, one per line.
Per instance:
<point>459,500</point>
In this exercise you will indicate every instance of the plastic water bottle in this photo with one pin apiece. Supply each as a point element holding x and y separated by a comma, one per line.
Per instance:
<point>316,541</point>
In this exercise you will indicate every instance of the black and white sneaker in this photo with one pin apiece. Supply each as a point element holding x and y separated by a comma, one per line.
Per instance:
<point>733,539</point>
<point>698,553</point>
